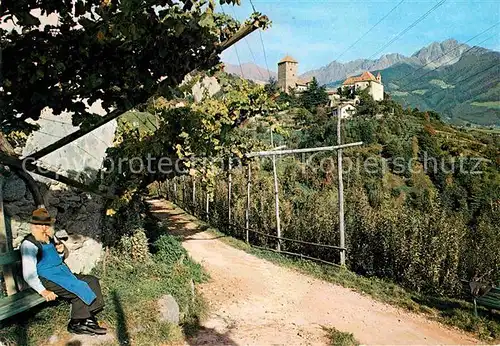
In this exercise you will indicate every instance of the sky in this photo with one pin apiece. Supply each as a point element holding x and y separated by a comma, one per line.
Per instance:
<point>316,32</point>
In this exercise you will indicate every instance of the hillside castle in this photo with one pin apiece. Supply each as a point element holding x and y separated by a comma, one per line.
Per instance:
<point>288,80</point>
<point>367,80</point>
<point>288,77</point>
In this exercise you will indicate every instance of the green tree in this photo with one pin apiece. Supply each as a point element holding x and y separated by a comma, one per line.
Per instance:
<point>109,50</point>
<point>272,87</point>
<point>313,96</point>
<point>119,52</point>
<point>367,105</point>
<point>190,140</point>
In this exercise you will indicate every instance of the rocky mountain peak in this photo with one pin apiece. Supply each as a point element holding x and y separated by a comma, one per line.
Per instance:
<point>439,54</point>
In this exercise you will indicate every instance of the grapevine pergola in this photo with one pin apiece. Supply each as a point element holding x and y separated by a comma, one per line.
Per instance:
<point>84,57</point>
<point>273,153</point>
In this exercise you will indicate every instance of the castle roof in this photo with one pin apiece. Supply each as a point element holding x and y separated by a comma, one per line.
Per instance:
<point>288,58</point>
<point>304,81</point>
<point>364,77</point>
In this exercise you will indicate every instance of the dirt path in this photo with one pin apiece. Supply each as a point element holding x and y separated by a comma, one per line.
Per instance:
<point>255,302</point>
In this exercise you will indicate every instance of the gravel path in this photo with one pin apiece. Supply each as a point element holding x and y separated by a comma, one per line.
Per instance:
<point>255,302</point>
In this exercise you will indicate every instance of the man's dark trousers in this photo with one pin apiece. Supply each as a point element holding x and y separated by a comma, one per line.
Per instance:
<point>79,310</point>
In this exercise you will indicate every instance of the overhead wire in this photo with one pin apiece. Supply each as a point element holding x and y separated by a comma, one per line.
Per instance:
<point>235,49</point>
<point>435,68</point>
<point>369,30</point>
<point>249,48</point>
<point>452,50</point>
<point>59,137</point>
<point>408,28</point>
<point>460,81</point>
<point>65,123</point>
<point>262,43</point>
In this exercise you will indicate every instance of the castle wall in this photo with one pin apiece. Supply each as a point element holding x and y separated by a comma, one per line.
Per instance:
<point>377,91</point>
<point>287,75</point>
<point>362,85</point>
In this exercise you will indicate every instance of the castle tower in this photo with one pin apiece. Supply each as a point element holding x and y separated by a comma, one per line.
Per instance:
<point>379,78</point>
<point>287,73</point>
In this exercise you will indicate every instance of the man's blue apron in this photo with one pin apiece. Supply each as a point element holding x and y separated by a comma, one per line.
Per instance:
<point>51,267</point>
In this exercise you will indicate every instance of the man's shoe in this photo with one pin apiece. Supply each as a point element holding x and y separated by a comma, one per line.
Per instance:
<point>79,328</point>
<point>92,322</point>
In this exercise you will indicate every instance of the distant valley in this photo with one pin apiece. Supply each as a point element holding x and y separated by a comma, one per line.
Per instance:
<point>458,81</point>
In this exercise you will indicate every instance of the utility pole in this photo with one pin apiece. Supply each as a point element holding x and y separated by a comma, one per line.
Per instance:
<point>276,197</point>
<point>229,193</point>
<point>247,213</point>
<point>194,193</point>
<point>341,190</point>
<point>207,206</point>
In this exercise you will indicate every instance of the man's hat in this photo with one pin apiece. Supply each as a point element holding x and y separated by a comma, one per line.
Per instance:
<point>41,217</point>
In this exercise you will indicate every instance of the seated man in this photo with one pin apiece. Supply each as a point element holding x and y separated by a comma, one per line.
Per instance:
<point>44,271</point>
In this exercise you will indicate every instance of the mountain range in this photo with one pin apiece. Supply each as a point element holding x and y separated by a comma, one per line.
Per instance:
<point>250,71</point>
<point>436,77</point>
<point>467,91</point>
<point>434,55</point>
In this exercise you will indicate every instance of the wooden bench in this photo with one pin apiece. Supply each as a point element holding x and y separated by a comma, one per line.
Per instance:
<point>20,300</point>
<point>486,296</point>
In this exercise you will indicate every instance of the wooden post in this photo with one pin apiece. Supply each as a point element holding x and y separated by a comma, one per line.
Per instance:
<point>207,206</point>
<point>247,212</point>
<point>341,191</point>
<point>276,198</point>
<point>6,246</point>
<point>194,193</point>
<point>175,191</point>
<point>229,192</point>
<point>183,191</point>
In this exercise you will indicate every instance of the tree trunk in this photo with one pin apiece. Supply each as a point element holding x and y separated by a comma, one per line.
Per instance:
<point>7,149</point>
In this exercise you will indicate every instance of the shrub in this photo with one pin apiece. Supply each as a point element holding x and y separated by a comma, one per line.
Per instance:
<point>167,250</point>
<point>135,246</point>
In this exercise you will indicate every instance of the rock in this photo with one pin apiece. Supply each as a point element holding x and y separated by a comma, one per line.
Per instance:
<point>88,226</point>
<point>17,241</point>
<point>84,259</point>
<point>73,246</point>
<point>53,339</point>
<point>12,209</point>
<point>169,309</point>
<point>25,206</point>
<point>54,200</point>
<point>209,86</point>
<point>19,229</point>
<point>14,189</point>
<point>79,159</point>
<point>193,295</point>
<point>52,212</point>
<point>73,199</point>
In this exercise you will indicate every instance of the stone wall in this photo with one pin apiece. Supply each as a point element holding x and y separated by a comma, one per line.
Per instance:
<point>77,213</point>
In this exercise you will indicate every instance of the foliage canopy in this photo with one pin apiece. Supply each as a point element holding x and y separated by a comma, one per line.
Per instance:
<point>109,50</point>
